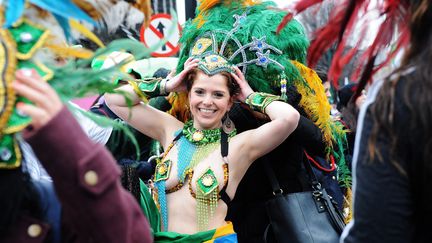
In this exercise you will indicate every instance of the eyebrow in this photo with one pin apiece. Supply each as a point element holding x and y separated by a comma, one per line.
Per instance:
<point>220,91</point>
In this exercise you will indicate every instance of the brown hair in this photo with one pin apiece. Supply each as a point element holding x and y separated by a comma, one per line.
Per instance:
<point>233,87</point>
<point>417,106</point>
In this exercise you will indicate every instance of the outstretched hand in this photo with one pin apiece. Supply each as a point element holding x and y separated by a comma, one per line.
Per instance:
<point>47,103</point>
<point>177,84</point>
<point>245,89</point>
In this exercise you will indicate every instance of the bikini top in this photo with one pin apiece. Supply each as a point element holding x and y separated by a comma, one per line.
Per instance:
<point>189,174</point>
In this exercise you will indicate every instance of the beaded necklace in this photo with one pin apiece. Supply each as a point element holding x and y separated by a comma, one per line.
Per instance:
<point>193,147</point>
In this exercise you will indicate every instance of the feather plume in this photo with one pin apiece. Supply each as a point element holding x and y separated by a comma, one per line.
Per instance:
<point>315,103</point>
<point>179,107</point>
<point>64,51</point>
<point>344,24</point>
<point>88,8</point>
<point>86,32</point>
<point>206,5</point>
<point>144,7</point>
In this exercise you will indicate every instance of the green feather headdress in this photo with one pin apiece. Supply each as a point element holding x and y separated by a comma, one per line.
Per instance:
<point>23,44</point>
<point>287,50</point>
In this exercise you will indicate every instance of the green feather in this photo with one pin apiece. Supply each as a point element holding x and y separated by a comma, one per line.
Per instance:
<point>77,79</point>
<point>261,21</point>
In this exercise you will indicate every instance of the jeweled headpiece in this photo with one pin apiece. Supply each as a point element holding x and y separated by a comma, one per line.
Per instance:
<point>215,58</point>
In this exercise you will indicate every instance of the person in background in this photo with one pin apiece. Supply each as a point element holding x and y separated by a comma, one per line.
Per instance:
<point>392,158</point>
<point>349,109</point>
<point>334,112</point>
<point>393,148</point>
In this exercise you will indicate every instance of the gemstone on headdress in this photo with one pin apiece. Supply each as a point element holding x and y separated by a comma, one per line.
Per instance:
<point>240,19</point>
<point>214,63</point>
<point>5,154</point>
<point>258,44</point>
<point>263,59</point>
<point>201,46</point>
<point>26,37</point>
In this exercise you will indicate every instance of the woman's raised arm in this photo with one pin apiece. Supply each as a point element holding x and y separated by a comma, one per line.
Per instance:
<point>284,119</point>
<point>146,119</point>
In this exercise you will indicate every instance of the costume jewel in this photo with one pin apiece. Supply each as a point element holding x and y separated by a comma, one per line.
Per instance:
<point>202,137</point>
<point>190,152</point>
<point>162,172</point>
<point>258,101</point>
<point>283,85</point>
<point>213,61</point>
<point>201,45</point>
<point>228,125</point>
<point>207,197</point>
<point>240,19</point>
<point>197,136</point>
<point>163,169</point>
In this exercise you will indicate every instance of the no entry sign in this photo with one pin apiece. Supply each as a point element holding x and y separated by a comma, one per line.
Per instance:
<point>160,25</point>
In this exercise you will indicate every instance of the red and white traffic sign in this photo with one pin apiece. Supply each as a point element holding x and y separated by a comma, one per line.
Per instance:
<point>160,25</point>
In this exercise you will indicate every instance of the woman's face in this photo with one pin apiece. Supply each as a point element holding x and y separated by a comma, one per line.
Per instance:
<point>209,100</point>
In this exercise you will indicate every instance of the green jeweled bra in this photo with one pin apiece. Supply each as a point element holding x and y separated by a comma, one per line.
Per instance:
<point>202,137</point>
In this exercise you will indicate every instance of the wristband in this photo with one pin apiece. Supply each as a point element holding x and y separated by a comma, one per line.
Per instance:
<point>149,88</point>
<point>258,101</point>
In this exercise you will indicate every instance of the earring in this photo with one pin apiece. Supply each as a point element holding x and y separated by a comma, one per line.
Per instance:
<point>228,125</point>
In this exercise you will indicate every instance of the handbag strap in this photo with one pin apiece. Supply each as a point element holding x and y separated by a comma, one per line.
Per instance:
<point>224,152</point>
<point>316,185</point>
<point>276,189</point>
<point>272,177</point>
<point>224,143</point>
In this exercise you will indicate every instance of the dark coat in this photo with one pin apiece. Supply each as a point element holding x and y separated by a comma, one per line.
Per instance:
<point>95,207</point>
<point>392,200</point>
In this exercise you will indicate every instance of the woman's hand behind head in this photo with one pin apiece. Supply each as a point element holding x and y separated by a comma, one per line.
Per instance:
<point>245,89</point>
<point>178,82</point>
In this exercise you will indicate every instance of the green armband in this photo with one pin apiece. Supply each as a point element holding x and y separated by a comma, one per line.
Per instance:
<point>259,101</point>
<point>149,88</point>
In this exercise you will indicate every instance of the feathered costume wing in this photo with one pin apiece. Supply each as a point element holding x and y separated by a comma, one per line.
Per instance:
<point>30,30</point>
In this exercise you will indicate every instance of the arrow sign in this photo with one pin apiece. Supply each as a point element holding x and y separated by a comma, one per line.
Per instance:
<point>155,32</point>
<point>161,28</point>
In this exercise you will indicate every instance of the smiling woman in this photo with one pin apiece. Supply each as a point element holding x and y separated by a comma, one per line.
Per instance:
<point>196,152</point>
<point>210,97</point>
